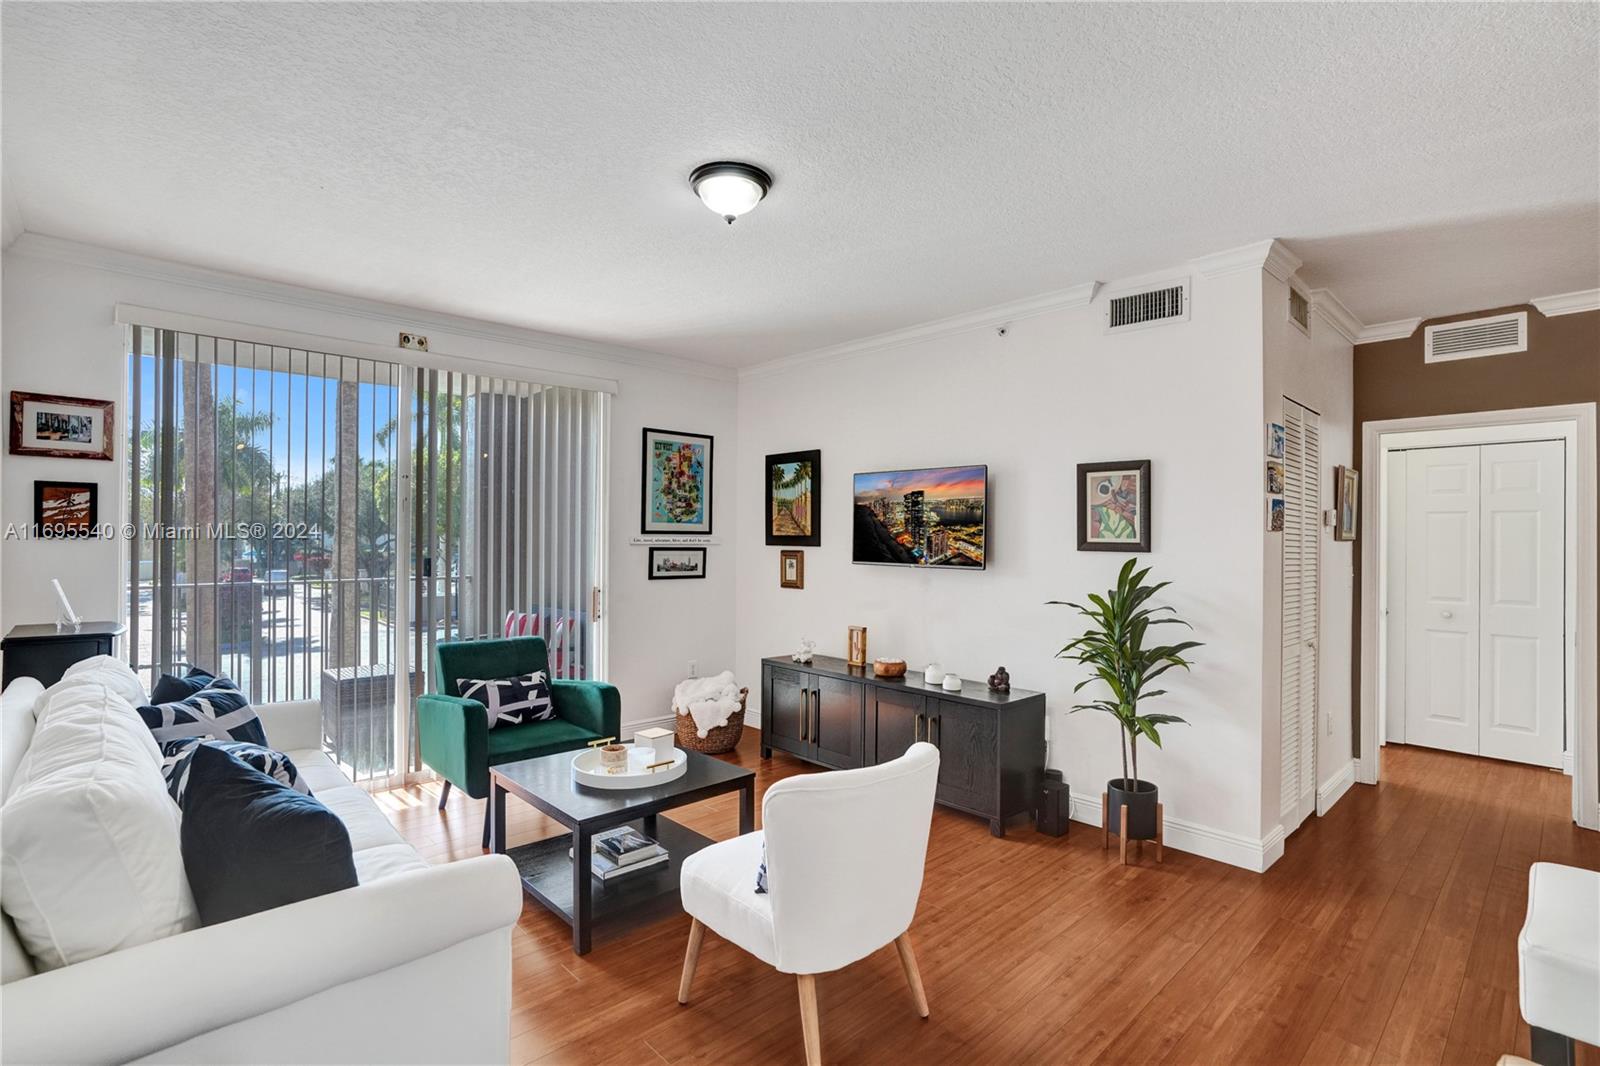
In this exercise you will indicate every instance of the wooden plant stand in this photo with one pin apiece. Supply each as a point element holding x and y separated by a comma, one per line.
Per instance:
<point>1122,835</point>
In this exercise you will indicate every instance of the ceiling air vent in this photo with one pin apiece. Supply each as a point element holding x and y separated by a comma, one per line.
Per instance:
<point>1299,310</point>
<point>1168,302</point>
<point>1495,335</point>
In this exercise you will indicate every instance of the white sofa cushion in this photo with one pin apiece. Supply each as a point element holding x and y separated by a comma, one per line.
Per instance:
<point>89,847</point>
<point>109,671</point>
<point>16,732</point>
<point>719,888</point>
<point>1558,952</point>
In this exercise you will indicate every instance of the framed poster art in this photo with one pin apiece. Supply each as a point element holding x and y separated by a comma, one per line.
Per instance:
<point>1114,506</point>
<point>61,427</point>
<point>1346,502</point>
<point>792,570</point>
<point>672,564</point>
<point>793,489</point>
<point>66,508</point>
<point>676,482</point>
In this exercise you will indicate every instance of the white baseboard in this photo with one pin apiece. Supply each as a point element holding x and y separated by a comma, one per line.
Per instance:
<point>1336,786</point>
<point>1231,848</point>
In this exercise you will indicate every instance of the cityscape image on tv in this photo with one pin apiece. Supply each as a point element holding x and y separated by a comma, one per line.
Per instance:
<point>932,517</point>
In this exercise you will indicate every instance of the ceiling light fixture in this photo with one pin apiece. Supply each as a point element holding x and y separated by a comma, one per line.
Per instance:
<point>730,189</point>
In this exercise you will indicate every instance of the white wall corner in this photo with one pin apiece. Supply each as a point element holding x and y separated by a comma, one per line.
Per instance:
<point>1336,314</point>
<point>1269,255</point>
<point>1568,303</point>
<point>998,315</point>
<point>1202,840</point>
<point>1399,329</point>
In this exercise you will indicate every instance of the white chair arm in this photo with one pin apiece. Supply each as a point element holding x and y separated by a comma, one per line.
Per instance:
<point>135,1002</point>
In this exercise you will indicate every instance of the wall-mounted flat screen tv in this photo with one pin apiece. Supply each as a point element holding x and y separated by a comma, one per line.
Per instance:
<point>932,517</point>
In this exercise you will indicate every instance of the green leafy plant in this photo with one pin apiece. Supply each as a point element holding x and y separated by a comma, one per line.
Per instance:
<point>1114,648</point>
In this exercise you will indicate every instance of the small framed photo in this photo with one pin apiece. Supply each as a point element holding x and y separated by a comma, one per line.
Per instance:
<point>66,508</point>
<point>792,569</point>
<point>1346,502</point>
<point>1275,441</point>
<point>676,482</point>
<point>1275,514</point>
<point>61,427</point>
<point>793,488</point>
<point>1274,478</point>
<point>672,564</point>
<point>1114,506</point>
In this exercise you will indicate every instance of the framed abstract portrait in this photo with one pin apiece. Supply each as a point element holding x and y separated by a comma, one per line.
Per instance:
<point>66,508</point>
<point>676,482</point>
<point>1114,506</point>
<point>793,489</point>
<point>62,427</point>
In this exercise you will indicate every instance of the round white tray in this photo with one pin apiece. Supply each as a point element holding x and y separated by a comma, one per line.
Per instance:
<point>586,769</point>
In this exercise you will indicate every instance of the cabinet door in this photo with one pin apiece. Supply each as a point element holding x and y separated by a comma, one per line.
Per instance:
<point>967,738</point>
<point>893,722</point>
<point>838,736</point>
<point>784,710</point>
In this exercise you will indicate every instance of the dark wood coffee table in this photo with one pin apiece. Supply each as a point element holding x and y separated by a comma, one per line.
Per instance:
<point>567,887</point>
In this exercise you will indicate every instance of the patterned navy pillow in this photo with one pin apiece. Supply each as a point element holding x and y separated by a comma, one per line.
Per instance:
<point>511,700</point>
<point>217,712</point>
<point>177,756</point>
<point>761,874</point>
<point>170,688</point>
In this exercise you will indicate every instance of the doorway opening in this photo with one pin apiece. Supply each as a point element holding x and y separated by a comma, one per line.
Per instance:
<point>1478,591</point>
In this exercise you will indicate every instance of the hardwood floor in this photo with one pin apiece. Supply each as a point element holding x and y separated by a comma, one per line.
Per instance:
<point>1386,934</point>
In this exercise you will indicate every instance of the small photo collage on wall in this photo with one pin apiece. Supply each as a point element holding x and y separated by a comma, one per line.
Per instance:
<point>1274,478</point>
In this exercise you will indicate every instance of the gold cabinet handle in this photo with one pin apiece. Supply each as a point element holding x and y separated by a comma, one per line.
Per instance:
<point>805,714</point>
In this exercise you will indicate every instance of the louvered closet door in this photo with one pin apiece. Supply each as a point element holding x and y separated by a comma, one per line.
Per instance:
<point>1301,611</point>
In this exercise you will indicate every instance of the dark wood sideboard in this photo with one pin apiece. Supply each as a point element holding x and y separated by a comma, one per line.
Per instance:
<point>991,744</point>
<point>45,652</point>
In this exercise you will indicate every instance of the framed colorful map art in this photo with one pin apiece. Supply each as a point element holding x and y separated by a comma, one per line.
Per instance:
<point>1114,506</point>
<point>676,482</point>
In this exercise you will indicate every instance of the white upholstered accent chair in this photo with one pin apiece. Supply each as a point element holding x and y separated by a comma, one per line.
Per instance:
<point>1558,961</point>
<point>845,852</point>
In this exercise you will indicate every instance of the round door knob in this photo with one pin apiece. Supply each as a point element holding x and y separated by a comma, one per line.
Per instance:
<point>1446,614</point>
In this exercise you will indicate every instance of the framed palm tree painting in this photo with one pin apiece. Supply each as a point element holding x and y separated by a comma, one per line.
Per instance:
<point>793,488</point>
<point>1114,506</point>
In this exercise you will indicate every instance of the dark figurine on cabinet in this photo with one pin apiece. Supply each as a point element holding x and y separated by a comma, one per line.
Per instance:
<point>1000,681</point>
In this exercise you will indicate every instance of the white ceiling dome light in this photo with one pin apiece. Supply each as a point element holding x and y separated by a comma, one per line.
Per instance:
<point>730,189</point>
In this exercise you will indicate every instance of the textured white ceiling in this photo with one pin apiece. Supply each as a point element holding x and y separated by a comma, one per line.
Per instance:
<point>528,163</point>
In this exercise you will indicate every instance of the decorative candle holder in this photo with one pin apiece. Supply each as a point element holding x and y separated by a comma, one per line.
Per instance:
<point>857,646</point>
<point>614,757</point>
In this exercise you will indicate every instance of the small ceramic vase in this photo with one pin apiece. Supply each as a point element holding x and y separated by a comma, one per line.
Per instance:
<point>952,683</point>
<point>932,675</point>
<point>614,757</point>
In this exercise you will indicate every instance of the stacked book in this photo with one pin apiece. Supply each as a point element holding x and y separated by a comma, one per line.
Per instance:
<point>624,850</point>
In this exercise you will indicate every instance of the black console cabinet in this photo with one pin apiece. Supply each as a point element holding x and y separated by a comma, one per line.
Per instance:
<point>44,652</point>
<point>991,745</point>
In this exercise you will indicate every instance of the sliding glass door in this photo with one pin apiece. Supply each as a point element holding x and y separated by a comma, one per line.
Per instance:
<point>311,525</point>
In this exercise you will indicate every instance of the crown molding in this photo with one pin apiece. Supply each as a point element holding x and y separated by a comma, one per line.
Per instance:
<point>57,249</point>
<point>1336,314</point>
<point>1269,255</point>
<point>1567,303</point>
<point>997,315</point>
<point>1399,329</point>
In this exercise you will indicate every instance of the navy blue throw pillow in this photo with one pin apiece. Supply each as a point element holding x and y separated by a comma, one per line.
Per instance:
<point>217,712</point>
<point>251,843</point>
<point>171,689</point>
<point>176,756</point>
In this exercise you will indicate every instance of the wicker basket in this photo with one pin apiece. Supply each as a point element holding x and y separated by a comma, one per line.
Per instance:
<point>718,741</point>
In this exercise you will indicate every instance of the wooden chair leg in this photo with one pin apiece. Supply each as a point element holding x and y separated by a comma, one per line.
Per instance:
<point>691,957</point>
<point>908,959</point>
<point>809,1023</point>
<point>1105,823</point>
<point>444,794</point>
<point>1161,830</point>
<point>1123,830</point>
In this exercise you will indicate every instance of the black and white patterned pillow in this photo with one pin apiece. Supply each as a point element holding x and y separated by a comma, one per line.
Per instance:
<point>511,700</point>
<point>218,712</point>
<point>761,874</point>
<point>178,755</point>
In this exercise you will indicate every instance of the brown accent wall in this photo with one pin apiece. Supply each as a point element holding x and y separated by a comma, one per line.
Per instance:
<point>1561,365</point>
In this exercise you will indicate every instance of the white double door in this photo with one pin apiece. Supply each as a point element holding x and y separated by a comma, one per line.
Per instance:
<point>1485,585</point>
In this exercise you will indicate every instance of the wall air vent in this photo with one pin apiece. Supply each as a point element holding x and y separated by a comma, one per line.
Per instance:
<point>1299,310</point>
<point>1474,337</point>
<point>1154,306</point>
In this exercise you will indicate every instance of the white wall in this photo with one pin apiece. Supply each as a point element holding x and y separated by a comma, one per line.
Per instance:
<point>1054,392</point>
<point>1317,370</point>
<point>59,337</point>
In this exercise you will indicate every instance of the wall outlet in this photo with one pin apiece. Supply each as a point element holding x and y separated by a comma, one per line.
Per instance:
<point>413,342</point>
<point>694,668</point>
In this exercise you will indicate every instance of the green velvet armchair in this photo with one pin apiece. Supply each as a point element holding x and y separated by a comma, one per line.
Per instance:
<point>454,734</point>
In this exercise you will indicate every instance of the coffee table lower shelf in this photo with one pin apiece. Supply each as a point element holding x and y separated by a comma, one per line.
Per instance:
<point>621,903</point>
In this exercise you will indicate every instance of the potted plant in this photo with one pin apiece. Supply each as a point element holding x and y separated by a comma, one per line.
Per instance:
<point>1114,648</point>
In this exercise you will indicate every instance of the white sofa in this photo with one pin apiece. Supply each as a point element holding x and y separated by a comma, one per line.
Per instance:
<point>411,965</point>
